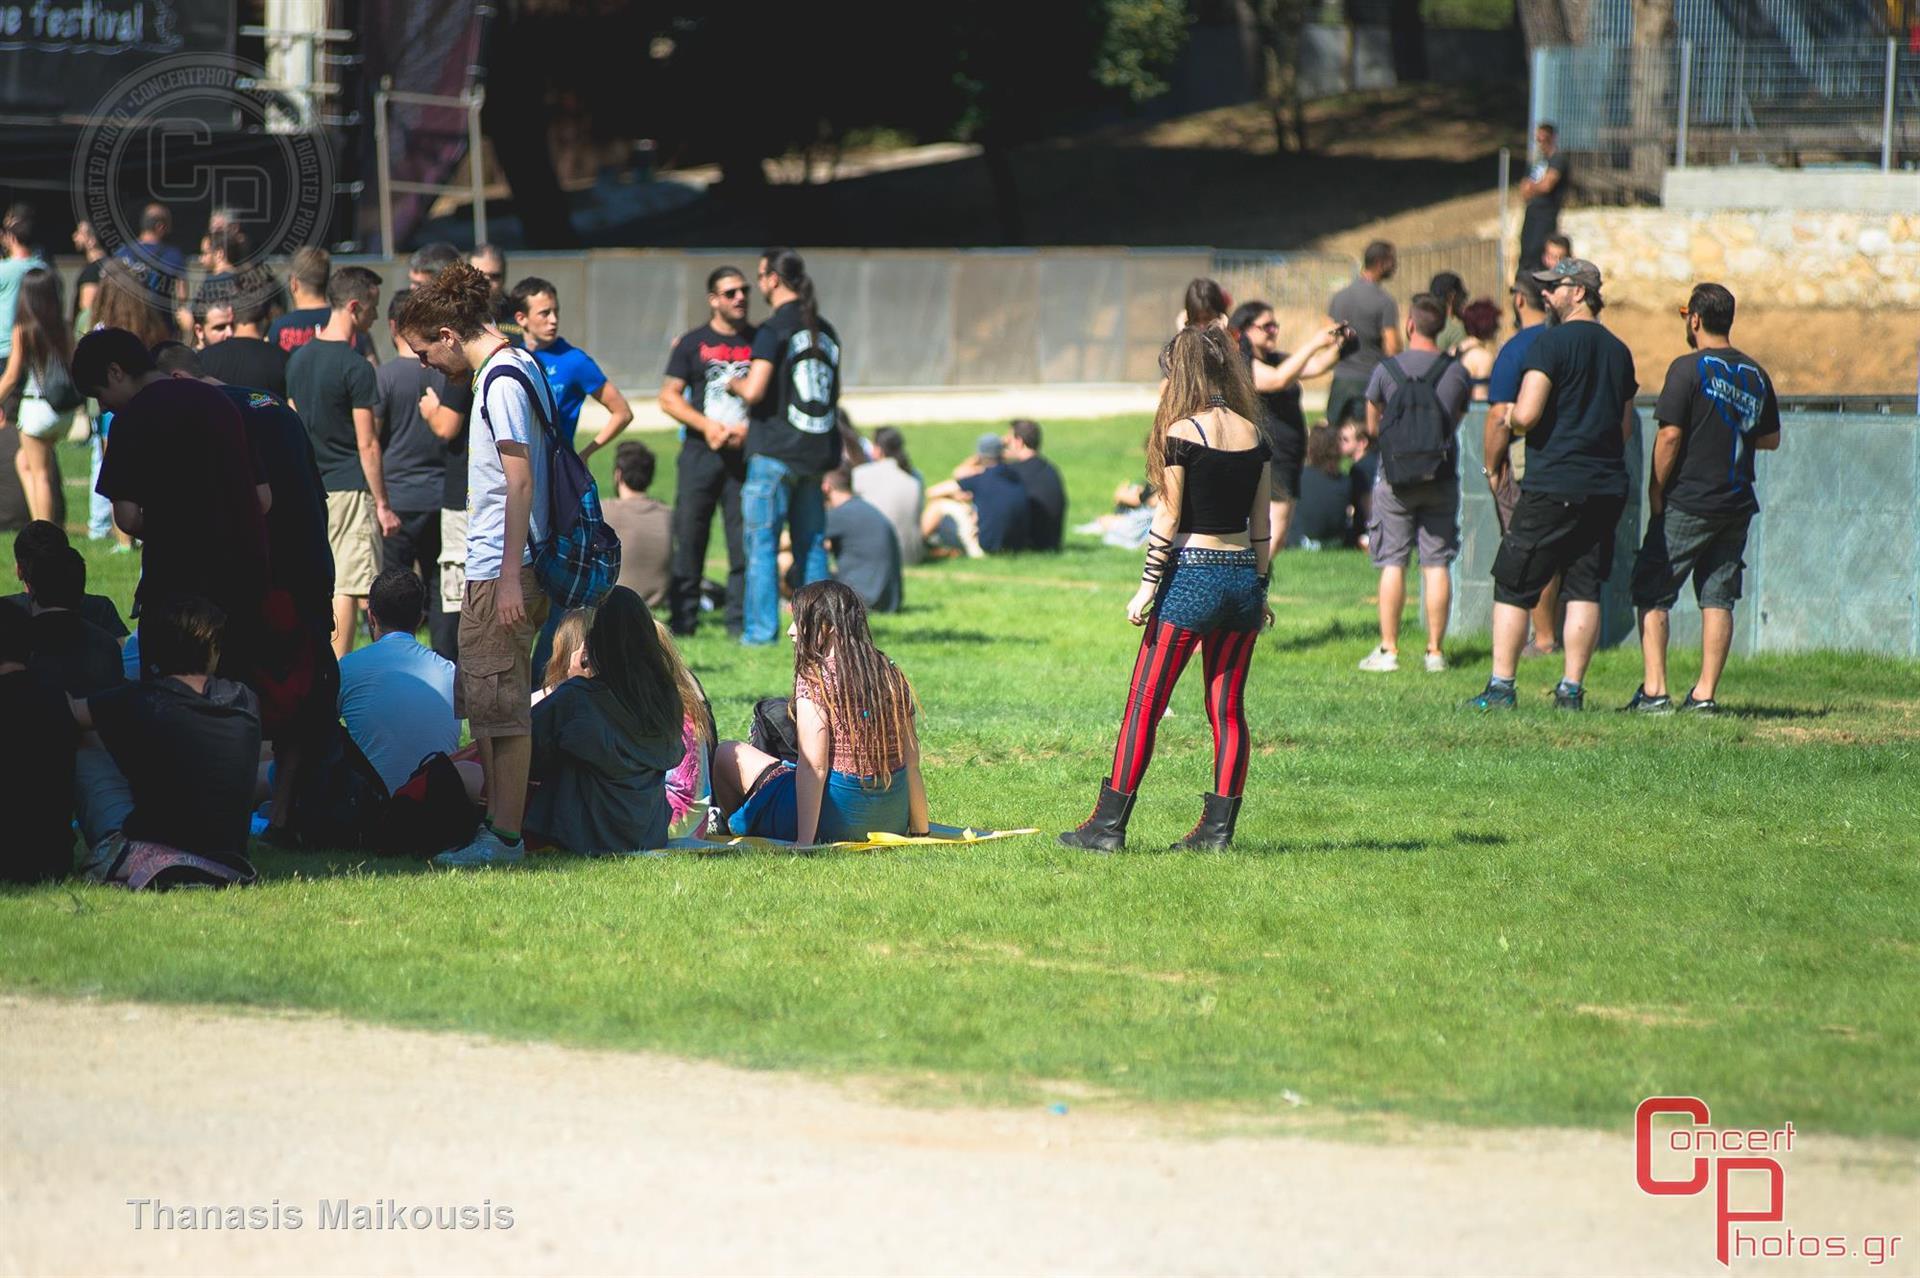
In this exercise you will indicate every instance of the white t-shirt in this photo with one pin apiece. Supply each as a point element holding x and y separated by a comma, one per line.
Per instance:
<point>507,417</point>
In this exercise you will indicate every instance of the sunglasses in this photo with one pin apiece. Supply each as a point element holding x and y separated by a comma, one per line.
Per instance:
<point>1268,327</point>
<point>1686,312</point>
<point>733,292</point>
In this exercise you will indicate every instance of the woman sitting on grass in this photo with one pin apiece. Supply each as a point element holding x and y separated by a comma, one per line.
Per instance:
<point>569,658</point>
<point>859,769</point>
<point>604,742</point>
<point>686,784</point>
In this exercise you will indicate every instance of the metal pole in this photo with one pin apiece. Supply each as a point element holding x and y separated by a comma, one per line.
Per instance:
<point>474,166</point>
<point>1686,87</point>
<point>1536,100</point>
<point>1506,227</point>
<point>1886,108</point>
<point>381,160</point>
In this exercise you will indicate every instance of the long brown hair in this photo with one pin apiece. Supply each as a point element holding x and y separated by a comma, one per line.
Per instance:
<point>693,699</point>
<point>868,701</point>
<point>568,638</point>
<point>44,336</point>
<point>1202,363</point>
<point>123,302</point>
<point>1206,302</point>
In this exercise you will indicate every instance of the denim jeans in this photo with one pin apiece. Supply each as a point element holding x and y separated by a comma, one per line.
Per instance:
<point>776,494</point>
<point>99,509</point>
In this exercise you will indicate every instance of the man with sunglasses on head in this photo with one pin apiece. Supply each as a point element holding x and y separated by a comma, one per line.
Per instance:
<point>713,433</point>
<point>1575,410</point>
<point>491,262</point>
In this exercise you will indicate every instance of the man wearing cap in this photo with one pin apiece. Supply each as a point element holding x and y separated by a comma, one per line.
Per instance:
<point>1506,462</point>
<point>1716,409</point>
<point>1575,411</point>
<point>983,508</point>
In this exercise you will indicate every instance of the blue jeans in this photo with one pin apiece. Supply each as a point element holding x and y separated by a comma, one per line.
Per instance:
<point>776,494</point>
<point>99,509</point>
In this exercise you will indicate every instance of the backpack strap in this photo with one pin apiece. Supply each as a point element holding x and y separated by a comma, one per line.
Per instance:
<point>1399,375</point>
<point>1439,370</point>
<point>512,370</point>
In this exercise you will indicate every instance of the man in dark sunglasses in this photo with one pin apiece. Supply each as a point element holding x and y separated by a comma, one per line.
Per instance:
<point>491,262</point>
<point>713,431</point>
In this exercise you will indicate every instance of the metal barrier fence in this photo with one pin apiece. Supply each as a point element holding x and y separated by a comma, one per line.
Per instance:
<point>1828,566</point>
<point>1298,285</point>
<point>1629,111</point>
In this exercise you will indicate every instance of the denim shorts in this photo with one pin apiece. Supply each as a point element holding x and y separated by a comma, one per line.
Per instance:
<point>1207,590</point>
<point>851,809</point>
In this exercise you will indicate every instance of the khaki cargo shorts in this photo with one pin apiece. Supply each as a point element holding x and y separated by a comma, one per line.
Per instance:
<point>353,533</point>
<point>494,689</point>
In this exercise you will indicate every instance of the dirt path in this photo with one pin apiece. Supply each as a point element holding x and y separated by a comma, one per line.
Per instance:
<point>618,1163</point>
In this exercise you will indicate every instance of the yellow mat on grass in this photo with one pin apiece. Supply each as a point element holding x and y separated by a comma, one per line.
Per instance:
<point>936,833</point>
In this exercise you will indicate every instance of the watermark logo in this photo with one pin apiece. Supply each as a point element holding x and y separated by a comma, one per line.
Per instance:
<point>1715,1156</point>
<point>198,128</point>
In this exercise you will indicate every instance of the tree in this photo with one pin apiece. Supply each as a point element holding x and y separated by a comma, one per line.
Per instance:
<point>1281,25</point>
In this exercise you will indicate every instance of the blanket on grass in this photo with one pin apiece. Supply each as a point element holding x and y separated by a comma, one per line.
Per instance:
<point>936,833</point>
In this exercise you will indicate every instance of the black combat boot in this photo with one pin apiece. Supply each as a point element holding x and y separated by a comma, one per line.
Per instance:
<point>1215,831</point>
<point>1106,829</point>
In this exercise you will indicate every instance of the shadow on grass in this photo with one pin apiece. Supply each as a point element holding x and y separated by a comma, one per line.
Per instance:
<point>1335,631</point>
<point>924,634</point>
<point>1334,846</point>
<point>1775,712</point>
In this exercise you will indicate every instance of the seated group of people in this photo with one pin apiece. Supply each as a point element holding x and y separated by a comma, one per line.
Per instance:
<point>625,745</point>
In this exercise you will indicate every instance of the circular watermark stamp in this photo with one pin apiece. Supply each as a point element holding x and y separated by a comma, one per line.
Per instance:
<point>199,128</point>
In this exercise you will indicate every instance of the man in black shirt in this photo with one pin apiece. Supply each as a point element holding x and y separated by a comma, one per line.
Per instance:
<point>713,435</point>
<point>792,389</point>
<point>246,358</point>
<point>72,654</point>
<point>42,538</point>
<point>178,754</point>
<point>1545,190</point>
<point>1046,495</point>
<point>1716,410</point>
<point>412,457</point>
<point>336,393</point>
<point>36,763</point>
<point>445,407</point>
<point>490,261</point>
<point>1575,412</point>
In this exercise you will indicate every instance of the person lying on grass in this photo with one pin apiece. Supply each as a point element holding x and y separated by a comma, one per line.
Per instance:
<point>604,742</point>
<point>859,768</point>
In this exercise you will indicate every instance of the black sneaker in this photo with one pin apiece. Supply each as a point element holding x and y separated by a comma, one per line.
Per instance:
<point>1564,700</point>
<point>1492,698</point>
<point>1643,704</point>
<point>1699,705</point>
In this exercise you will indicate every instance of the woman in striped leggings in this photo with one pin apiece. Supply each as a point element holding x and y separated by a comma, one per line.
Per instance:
<point>1204,586</point>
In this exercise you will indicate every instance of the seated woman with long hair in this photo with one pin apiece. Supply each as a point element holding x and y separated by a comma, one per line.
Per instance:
<point>686,784</point>
<point>569,657</point>
<point>604,742</point>
<point>859,769</point>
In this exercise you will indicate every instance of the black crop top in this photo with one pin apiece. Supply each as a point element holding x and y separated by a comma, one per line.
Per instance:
<point>1220,484</point>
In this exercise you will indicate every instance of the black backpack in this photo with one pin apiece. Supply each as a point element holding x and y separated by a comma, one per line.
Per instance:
<point>338,796</point>
<point>1416,431</point>
<point>773,730</point>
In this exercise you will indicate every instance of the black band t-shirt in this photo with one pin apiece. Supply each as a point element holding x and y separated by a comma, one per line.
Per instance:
<point>326,381</point>
<point>788,424</point>
<point>706,360</point>
<point>1575,450</point>
<point>1722,401</point>
<point>247,361</point>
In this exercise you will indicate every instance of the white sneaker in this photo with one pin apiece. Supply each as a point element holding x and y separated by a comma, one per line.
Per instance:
<point>1435,663</point>
<point>487,848</point>
<point>1380,661</point>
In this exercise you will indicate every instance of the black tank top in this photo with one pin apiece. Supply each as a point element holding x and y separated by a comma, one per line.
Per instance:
<point>1220,483</point>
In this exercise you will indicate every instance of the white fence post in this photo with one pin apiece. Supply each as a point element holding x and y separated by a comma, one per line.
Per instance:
<point>1506,229</point>
<point>1686,86</point>
<point>1886,107</point>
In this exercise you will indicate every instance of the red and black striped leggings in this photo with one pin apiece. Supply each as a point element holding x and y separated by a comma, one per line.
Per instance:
<point>1164,652</point>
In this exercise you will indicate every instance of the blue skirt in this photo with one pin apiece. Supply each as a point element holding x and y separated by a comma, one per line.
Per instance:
<point>851,809</point>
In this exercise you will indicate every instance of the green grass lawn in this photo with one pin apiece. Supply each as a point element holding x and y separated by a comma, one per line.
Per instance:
<point>1521,919</point>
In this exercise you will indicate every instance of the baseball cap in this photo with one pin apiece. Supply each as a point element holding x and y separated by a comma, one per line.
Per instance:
<point>987,446</point>
<point>1575,270</point>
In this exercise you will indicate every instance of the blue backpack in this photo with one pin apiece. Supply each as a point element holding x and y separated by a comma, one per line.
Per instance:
<point>579,561</point>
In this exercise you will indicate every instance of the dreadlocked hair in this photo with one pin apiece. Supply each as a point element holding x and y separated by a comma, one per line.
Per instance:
<point>868,702</point>
<point>458,298</point>
<point>1203,364</point>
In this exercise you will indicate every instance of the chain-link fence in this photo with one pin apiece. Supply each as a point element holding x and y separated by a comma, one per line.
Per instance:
<point>1298,285</point>
<point>1629,112</point>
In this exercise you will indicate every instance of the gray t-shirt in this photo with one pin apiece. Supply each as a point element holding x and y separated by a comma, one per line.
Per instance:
<point>898,495</point>
<point>1453,392</point>
<point>866,553</point>
<point>1369,310</point>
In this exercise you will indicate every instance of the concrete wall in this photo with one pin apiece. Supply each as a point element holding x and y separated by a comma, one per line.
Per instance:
<point>1757,186</point>
<point>1833,558</point>
<point>1809,258</point>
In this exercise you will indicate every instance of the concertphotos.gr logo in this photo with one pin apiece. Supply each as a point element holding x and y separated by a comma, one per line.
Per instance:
<point>166,134</point>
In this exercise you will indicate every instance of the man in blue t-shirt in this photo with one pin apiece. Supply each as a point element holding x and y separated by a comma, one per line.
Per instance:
<point>1504,462</point>
<point>570,371</point>
<point>983,509</point>
<point>160,266</point>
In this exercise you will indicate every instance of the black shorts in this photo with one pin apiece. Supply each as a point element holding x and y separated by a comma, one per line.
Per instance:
<point>1347,398</point>
<point>1572,536</point>
<point>1286,478</point>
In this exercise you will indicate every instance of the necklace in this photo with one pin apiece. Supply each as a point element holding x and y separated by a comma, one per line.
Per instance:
<point>1216,401</point>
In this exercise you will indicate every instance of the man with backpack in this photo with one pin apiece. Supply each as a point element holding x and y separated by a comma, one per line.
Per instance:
<point>792,389</point>
<point>1415,401</point>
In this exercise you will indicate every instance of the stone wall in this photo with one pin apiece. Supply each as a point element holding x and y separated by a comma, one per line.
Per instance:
<point>1806,258</point>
